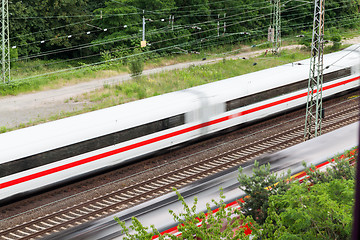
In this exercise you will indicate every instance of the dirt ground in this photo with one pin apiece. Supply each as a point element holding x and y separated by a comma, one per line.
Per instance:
<point>23,108</point>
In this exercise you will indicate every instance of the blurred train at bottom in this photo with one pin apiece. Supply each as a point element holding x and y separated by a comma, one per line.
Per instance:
<point>317,151</point>
<point>48,154</point>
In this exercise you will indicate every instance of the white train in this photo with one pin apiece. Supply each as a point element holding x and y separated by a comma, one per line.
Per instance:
<point>40,156</point>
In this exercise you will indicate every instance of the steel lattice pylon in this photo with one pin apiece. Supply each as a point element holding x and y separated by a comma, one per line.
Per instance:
<point>314,95</point>
<point>276,22</point>
<point>5,43</point>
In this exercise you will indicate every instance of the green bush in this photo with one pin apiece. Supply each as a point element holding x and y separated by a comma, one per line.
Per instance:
<point>136,64</point>
<point>305,39</point>
<point>321,211</point>
<point>259,187</point>
<point>335,37</point>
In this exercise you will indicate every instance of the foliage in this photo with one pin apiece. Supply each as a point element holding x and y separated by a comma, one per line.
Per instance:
<point>3,129</point>
<point>321,208</point>
<point>106,57</point>
<point>342,169</point>
<point>136,64</point>
<point>32,21</point>
<point>322,211</point>
<point>294,211</point>
<point>335,38</point>
<point>259,187</point>
<point>45,26</point>
<point>333,35</point>
<point>305,38</point>
<point>222,224</point>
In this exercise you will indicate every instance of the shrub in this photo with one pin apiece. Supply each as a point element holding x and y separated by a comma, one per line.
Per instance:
<point>136,64</point>
<point>259,187</point>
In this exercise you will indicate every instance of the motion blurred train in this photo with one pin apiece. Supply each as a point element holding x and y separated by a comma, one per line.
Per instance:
<point>155,212</point>
<point>48,154</point>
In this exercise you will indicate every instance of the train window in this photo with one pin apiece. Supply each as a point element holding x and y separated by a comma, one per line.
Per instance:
<point>258,97</point>
<point>261,96</point>
<point>337,74</point>
<point>58,154</point>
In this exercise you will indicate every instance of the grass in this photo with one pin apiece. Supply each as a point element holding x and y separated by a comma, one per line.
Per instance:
<point>35,75</point>
<point>164,82</point>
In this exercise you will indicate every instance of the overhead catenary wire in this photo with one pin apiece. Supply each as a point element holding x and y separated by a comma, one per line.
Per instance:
<point>342,57</point>
<point>84,57</point>
<point>261,33</point>
<point>132,13</point>
<point>73,48</point>
<point>105,16</point>
<point>81,47</point>
<point>98,63</point>
<point>46,40</point>
<point>67,36</point>
<point>106,42</point>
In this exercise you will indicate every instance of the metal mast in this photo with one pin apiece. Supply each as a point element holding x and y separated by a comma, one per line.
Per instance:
<point>5,43</point>
<point>314,96</point>
<point>276,22</point>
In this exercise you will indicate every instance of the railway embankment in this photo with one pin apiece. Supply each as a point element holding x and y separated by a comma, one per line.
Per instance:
<point>36,107</point>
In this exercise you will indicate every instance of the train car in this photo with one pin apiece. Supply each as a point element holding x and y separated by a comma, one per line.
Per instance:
<point>155,212</point>
<point>45,155</point>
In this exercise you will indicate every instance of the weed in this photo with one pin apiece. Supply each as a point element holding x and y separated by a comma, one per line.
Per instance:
<point>3,129</point>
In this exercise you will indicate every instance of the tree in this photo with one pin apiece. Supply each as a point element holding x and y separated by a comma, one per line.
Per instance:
<point>51,21</point>
<point>258,188</point>
<point>322,211</point>
<point>223,224</point>
<point>136,63</point>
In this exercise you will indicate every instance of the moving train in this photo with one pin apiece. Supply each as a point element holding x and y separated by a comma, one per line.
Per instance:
<point>48,154</point>
<point>155,212</point>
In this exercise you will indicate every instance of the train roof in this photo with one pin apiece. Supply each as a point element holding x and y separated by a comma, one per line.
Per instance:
<point>85,126</point>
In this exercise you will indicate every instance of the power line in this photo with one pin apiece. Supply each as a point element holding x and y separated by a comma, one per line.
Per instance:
<point>115,40</point>
<point>105,42</point>
<point>162,20</point>
<point>50,29</point>
<point>98,63</point>
<point>206,44</point>
<point>42,41</point>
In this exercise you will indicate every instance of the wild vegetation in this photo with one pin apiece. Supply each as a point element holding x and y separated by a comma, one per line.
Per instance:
<point>319,208</point>
<point>50,36</point>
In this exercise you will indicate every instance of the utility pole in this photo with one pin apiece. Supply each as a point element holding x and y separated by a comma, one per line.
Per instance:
<point>5,43</point>
<point>171,21</point>
<point>314,97</point>
<point>276,24</point>
<point>218,26</point>
<point>224,24</point>
<point>143,42</point>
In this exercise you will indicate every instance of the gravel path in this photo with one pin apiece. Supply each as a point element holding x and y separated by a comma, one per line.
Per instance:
<point>23,108</point>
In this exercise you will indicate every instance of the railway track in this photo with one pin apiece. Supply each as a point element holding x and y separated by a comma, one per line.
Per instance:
<point>124,198</point>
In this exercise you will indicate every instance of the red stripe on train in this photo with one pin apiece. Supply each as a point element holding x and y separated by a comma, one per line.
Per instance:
<point>160,138</point>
